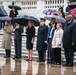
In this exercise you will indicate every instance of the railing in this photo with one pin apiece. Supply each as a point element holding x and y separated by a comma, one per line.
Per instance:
<point>24,50</point>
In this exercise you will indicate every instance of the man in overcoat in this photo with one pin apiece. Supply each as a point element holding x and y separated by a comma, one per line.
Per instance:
<point>42,37</point>
<point>69,40</point>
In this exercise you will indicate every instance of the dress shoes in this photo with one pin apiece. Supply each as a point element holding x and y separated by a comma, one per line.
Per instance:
<point>6,57</point>
<point>69,65</point>
<point>15,58</point>
<point>49,62</point>
<point>65,64</point>
<point>41,61</point>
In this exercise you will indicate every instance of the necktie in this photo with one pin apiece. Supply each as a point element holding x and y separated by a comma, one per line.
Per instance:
<point>49,31</point>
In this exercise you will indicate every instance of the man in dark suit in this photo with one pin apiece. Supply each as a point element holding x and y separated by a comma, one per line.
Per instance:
<point>69,40</point>
<point>13,13</point>
<point>18,40</point>
<point>42,37</point>
<point>67,8</point>
<point>52,27</point>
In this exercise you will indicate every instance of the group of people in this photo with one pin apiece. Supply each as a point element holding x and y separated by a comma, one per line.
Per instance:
<point>52,38</point>
<point>56,37</point>
<point>7,39</point>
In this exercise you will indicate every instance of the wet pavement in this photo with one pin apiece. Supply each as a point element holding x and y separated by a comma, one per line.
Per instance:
<point>23,67</point>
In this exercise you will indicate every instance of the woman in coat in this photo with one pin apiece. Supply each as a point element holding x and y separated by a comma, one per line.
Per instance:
<point>41,40</point>
<point>57,43</point>
<point>7,38</point>
<point>30,31</point>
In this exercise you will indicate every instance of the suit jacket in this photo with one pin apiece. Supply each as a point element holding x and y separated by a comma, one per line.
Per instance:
<point>18,33</point>
<point>12,15</point>
<point>69,35</point>
<point>67,9</point>
<point>42,37</point>
<point>52,31</point>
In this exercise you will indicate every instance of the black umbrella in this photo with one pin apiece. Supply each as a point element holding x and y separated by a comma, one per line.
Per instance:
<point>15,6</point>
<point>2,11</point>
<point>72,5</point>
<point>23,20</point>
<point>5,18</point>
<point>72,0</point>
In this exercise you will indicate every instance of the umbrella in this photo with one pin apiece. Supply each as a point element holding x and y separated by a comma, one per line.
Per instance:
<point>58,18</point>
<point>2,11</point>
<point>49,11</point>
<point>72,5</point>
<point>15,6</point>
<point>5,18</point>
<point>23,20</point>
<point>73,12</point>
<point>72,0</point>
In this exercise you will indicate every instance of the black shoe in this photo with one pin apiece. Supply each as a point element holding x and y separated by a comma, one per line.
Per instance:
<point>49,62</point>
<point>69,65</point>
<point>40,61</point>
<point>65,64</point>
<point>30,59</point>
<point>6,57</point>
<point>54,63</point>
<point>18,58</point>
<point>27,59</point>
<point>15,58</point>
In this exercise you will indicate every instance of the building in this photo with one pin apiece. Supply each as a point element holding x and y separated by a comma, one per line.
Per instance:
<point>34,7</point>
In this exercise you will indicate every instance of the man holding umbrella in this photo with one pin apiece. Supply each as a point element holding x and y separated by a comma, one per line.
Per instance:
<point>13,12</point>
<point>67,8</point>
